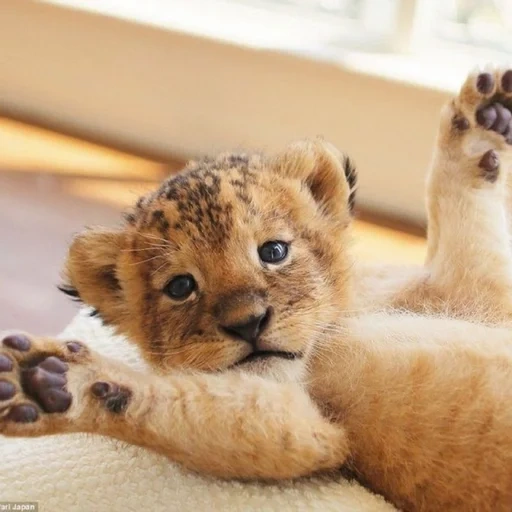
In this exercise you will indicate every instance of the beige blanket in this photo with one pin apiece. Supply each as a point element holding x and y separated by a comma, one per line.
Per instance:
<point>88,473</point>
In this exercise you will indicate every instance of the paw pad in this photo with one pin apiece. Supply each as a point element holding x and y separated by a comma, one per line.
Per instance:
<point>485,83</point>
<point>17,342</point>
<point>24,413</point>
<point>114,397</point>
<point>5,364</point>
<point>486,117</point>
<point>54,364</point>
<point>74,346</point>
<point>7,390</point>
<point>102,389</point>
<point>460,123</point>
<point>506,81</point>
<point>490,163</point>
<point>495,117</point>
<point>48,388</point>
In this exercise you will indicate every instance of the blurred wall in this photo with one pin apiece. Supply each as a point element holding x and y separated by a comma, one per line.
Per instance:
<point>173,94</point>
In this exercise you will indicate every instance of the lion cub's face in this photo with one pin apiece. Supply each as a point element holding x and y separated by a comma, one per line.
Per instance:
<point>236,262</point>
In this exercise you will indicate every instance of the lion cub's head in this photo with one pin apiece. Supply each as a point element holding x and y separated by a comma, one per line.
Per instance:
<point>236,262</point>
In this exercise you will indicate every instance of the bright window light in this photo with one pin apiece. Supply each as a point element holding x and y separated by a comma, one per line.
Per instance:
<point>486,23</point>
<point>429,42</point>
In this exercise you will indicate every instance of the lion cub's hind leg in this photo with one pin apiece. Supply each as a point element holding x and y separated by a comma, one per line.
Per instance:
<point>469,250</point>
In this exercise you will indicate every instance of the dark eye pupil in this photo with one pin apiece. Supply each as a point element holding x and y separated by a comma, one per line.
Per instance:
<point>180,287</point>
<point>273,252</point>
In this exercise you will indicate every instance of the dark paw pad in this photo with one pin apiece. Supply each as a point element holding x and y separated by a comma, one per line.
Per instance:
<point>54,364</point>
<point>5,364</point>
<point>17,342</point>
<point>485,83</point>
<point>115,398</point>
<point>23,414</point>
<point>490,163</point>
<point>75,346</point>
<point>506,81</point>
<point>47,387</point>
<point>460,123</point>
<point>486,117</point>
<point>7,390</point>
<point>497,118</point>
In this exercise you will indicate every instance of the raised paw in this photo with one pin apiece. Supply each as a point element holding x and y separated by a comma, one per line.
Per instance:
<point>33,380</point>
<point>484,103</point>
<point>475,135</point>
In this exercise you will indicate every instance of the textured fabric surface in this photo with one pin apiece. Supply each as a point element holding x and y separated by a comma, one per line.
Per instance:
<point>89,473</point>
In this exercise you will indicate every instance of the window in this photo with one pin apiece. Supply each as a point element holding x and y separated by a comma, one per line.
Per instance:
<point>358,10</point>
<point>327,27</point>
<point>483,23</point>
<point>486,23</point>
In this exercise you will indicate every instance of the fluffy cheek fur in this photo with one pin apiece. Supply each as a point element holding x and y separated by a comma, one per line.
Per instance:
<point>300,297</point>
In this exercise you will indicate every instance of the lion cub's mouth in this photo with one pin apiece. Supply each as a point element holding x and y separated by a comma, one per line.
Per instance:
<point>260,355</point>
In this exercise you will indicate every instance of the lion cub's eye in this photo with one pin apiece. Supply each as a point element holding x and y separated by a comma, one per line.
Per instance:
<point>273,252</point>
<point>180,287</point>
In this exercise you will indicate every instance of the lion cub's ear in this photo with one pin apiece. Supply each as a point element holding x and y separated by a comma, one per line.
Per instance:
<point>91,271</point>
<point>330,175</point>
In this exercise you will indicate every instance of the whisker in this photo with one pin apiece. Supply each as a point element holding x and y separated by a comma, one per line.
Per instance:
<point>148,259</point>
<point>151,248</point>
<point>155,238</point>
<point>160,268</point>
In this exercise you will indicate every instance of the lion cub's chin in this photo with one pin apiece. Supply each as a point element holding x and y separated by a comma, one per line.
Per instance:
<point>274,368</point>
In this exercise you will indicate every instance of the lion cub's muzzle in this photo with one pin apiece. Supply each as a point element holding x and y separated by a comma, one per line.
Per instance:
<point>246,317</point>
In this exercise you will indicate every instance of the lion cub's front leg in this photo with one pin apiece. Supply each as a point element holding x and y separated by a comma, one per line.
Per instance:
<point>228,425</point>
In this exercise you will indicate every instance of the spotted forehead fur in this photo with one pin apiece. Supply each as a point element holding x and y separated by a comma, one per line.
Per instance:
<point>195,194</point>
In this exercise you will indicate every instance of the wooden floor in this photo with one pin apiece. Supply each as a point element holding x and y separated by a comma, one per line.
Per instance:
<point>51,186</point>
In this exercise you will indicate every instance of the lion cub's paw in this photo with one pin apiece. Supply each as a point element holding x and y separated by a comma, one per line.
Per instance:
<point>43,380</point>
<point>476,126</point>
<point>484,103</point>
<point>33,380</point>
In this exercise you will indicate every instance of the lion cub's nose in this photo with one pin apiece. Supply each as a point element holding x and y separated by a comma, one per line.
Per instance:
<point>250,328</point>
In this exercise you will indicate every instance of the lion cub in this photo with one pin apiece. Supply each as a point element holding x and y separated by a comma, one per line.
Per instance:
<point>275,354</point>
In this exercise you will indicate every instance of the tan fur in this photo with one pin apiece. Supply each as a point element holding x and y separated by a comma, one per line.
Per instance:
<point>402,374</point>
